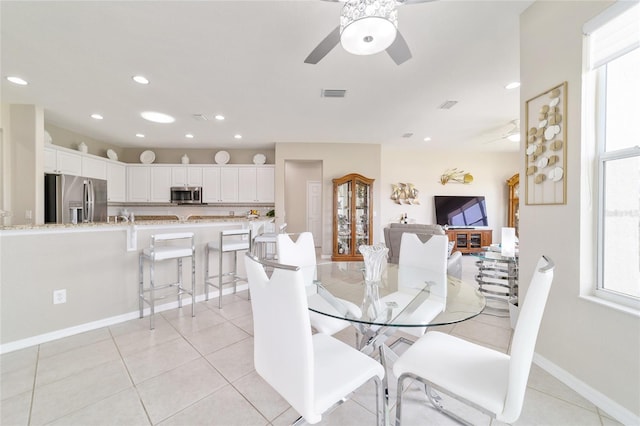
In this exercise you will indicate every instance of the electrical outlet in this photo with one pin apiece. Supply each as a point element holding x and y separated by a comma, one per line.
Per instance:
<point>59,296</point>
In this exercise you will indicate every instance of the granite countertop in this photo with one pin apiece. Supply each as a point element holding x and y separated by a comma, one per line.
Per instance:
<point>139,220</point>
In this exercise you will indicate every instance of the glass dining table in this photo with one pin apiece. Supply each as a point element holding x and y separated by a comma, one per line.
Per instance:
<point>404,298</point>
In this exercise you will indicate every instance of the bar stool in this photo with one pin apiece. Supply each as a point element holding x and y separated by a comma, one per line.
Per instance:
<point>230,241</point>
<point>266,240</point>
<point>163,247</point>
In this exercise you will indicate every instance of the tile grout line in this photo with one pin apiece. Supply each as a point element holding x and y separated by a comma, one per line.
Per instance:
<point>33,386</point>
<point>126,367</point>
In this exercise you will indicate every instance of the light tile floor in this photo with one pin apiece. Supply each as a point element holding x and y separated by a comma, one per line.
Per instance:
<point>199,371</point>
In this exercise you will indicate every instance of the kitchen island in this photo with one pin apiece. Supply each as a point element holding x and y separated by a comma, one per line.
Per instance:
<point>97,265</point>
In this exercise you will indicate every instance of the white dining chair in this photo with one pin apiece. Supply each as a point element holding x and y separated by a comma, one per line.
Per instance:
<point>489,380</point>
<point>302,253</point>
<point>419,263</point>
<point>312,372</point>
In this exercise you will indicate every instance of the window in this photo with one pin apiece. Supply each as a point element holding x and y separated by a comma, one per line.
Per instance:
<point>613,41</point>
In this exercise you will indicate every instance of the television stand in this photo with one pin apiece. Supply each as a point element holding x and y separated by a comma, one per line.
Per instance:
<point>469,240</point>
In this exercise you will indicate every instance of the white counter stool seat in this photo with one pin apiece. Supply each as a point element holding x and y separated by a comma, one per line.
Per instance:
<point>230,241</point>
<point>171,246</point>
<point>266,241</point>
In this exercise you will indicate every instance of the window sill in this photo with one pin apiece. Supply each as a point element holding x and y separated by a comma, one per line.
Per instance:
<point>613,305</point>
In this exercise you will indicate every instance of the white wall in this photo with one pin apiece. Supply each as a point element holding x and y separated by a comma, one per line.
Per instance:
<point>595,347</point>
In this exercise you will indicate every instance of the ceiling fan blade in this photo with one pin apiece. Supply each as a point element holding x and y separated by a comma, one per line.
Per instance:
<point>399,50</point>
<point>324,47</point>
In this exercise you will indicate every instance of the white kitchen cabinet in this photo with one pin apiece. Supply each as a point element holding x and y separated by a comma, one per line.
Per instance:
<point>160,178</point>
<point>62,161</point>
<point>228,184</point>
<point>116,182</point>
<point>211,184</point>
<point>94,167</point>
<point>138,183</point>
<point>186,176</point>
<point>256,184</point>
<point>220,184</point>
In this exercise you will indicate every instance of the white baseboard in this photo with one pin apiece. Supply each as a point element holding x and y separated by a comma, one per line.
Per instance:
<point>600,400</point>
<point>105,322</point>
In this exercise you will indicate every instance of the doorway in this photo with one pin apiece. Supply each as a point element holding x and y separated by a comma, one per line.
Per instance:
<point>303,197</point>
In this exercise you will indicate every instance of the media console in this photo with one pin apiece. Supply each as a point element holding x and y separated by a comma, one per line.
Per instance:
<point>470,240</point>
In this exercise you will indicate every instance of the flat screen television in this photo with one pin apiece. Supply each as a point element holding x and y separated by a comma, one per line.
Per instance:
<point>460,211</point>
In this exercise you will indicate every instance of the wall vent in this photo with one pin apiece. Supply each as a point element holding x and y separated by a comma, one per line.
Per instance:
<point>200,117</point>
<point>448,105</point>
<point>407,135</point>
<point>333,93</point>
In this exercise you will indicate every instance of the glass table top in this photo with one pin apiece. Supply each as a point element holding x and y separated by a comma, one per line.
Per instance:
<point>406,297</point>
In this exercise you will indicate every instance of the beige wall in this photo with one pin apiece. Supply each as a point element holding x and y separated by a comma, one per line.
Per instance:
<point>337,161</point>
<point>423,168</point>
<point>593,345</point>
<point>297,174</point>
<point>71,140</point>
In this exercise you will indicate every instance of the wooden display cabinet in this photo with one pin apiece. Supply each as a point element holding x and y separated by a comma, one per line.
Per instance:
<point>352,216</point>
<point>513,216</point>
<point>470,240</point>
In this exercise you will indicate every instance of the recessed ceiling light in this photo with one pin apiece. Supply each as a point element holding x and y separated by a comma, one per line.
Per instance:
<point>189,136</point>
<point>512,85</point>
<point>140,79</point>
<point>97,116</point>
<point>139,135</point>
<point>427,139</point>
<point>237,136</point>
<point>219,117</point>
<point>17,80</point>
<point>157,117</point>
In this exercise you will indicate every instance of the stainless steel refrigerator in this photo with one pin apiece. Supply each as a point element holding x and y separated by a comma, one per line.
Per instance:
<point>74,199</point>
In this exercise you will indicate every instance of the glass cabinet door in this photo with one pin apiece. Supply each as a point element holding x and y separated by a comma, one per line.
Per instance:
<point>352,198</point>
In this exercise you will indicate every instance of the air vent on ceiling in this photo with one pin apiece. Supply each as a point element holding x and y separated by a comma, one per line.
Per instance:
<point>448,105</point>
<point>333,93</point>
<point>200,117</point>
<point>407,135</point>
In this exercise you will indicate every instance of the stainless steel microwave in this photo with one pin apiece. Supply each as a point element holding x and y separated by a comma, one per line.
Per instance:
<point>186,194</point>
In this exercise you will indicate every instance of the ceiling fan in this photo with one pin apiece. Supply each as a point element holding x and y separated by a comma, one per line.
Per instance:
<point>510,132</point>
<point>366,27</point>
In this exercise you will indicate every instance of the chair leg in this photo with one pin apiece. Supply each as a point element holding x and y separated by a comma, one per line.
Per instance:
<point>206,272</point>
<point>179,283</point>
<point>141,284</point>
<point>221,254</point>
<point>399,399</point>
<point>382,404</point>
<point>193,285</point>
<point>152,294</point>
<point>234,271</point>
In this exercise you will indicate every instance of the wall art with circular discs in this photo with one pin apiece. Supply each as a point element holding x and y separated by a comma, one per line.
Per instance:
<point>546,147</point>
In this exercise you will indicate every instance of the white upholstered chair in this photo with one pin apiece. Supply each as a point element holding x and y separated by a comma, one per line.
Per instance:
<point>491,381</point>
<point>312,372</point>
<point>419,262</point>
<point>265,242</point>
<point>302,253</point>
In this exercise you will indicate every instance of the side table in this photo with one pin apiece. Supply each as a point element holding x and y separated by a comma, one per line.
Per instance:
<point>497,279</point>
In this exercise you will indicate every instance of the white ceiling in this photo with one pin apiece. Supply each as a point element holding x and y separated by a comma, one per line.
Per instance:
<point>244,59</point>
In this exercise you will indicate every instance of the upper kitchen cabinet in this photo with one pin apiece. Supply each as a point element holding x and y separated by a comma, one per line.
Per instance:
<point>138,183</point>
<point>116,182</point>
<point>256,184</point>
<point>148,184</point>
<point>186,176</point>
<point>160,191</point>
<point>94,167</point>
<point>62,161</point>
<point>220,184</point>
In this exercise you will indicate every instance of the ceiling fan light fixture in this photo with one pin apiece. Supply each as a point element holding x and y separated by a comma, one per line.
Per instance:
<point>368,26</point>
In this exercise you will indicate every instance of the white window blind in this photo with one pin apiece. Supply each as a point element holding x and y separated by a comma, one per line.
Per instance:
<point>613,33</point>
